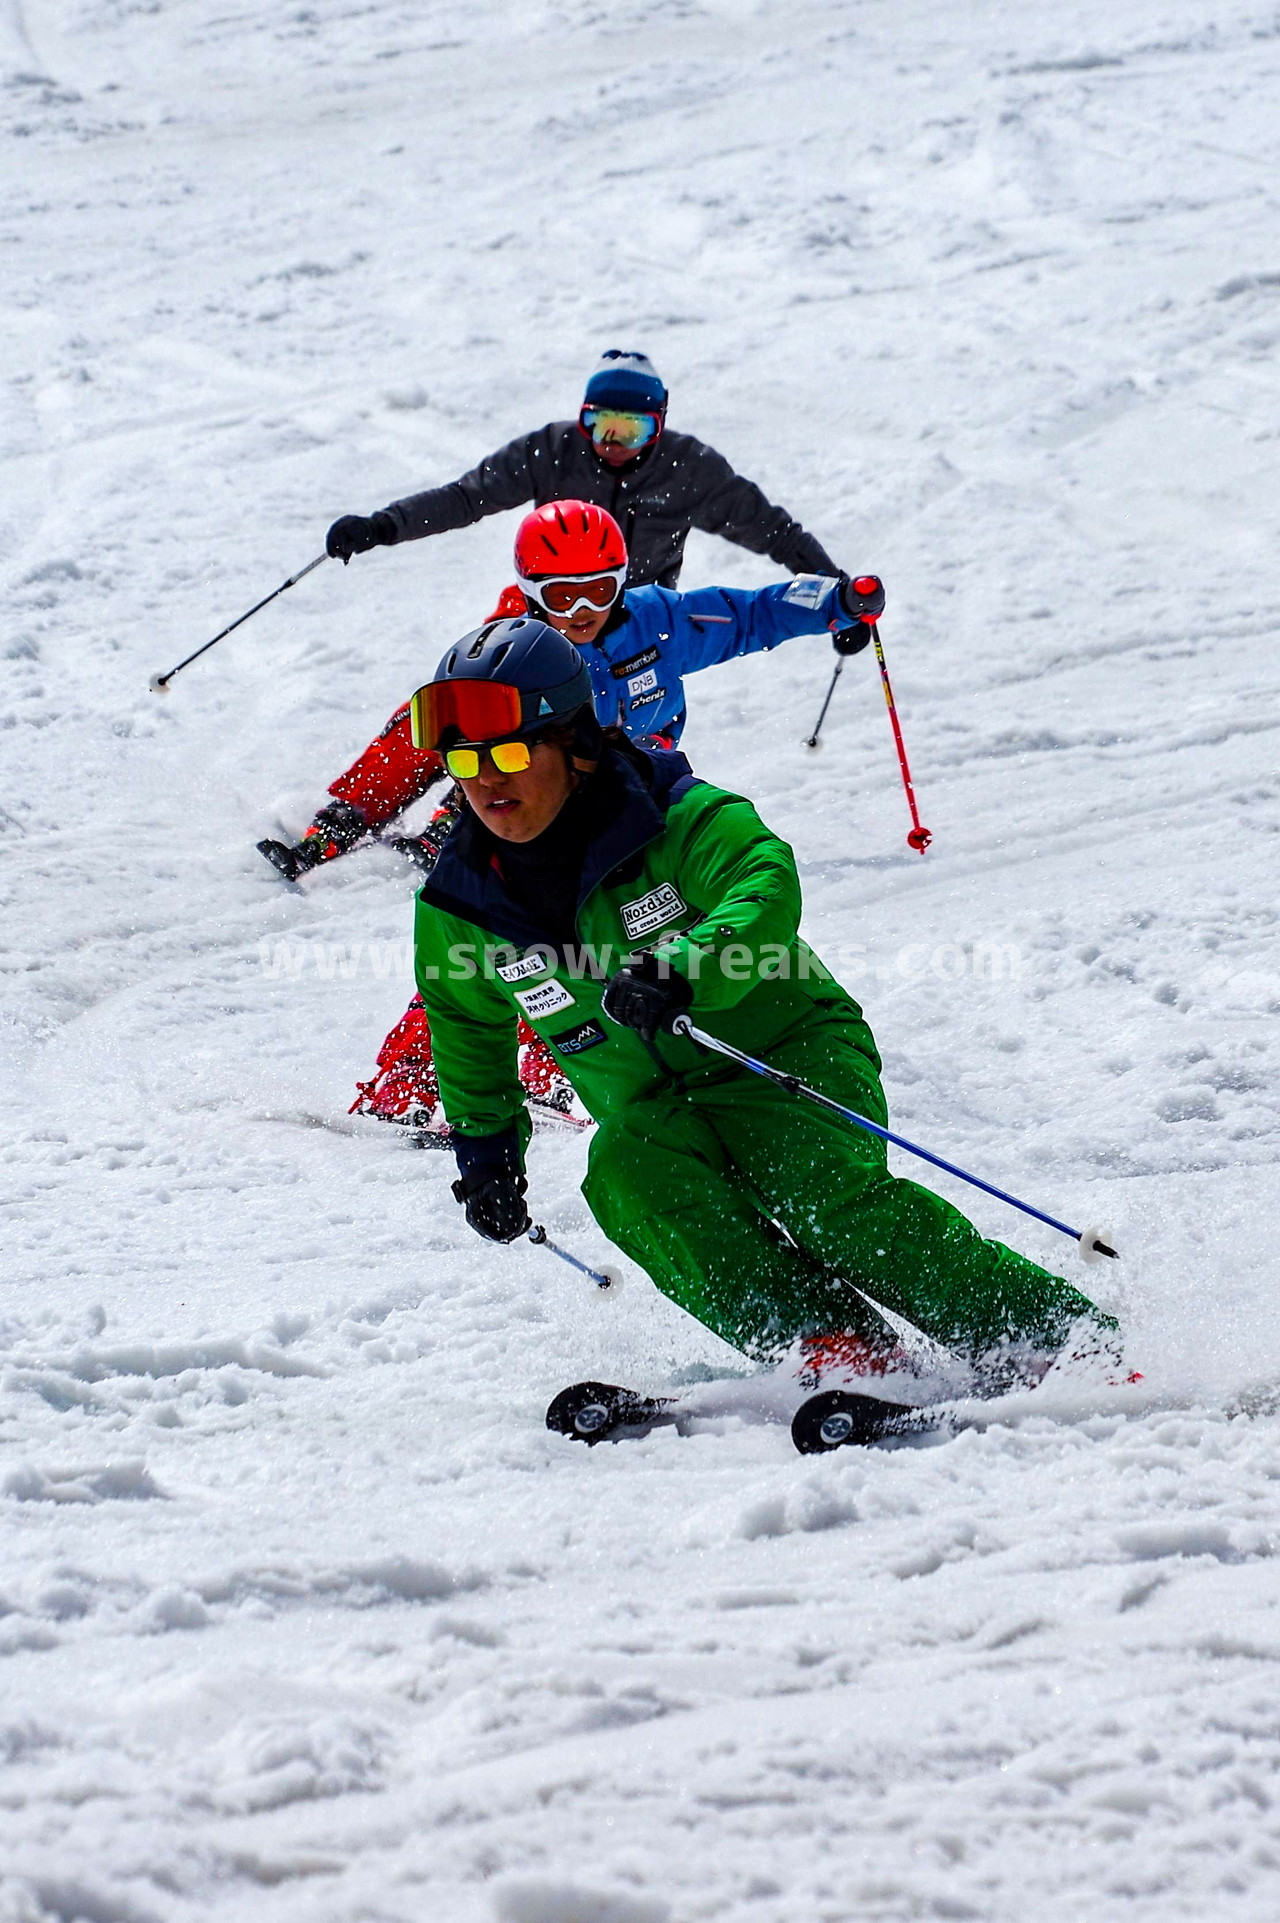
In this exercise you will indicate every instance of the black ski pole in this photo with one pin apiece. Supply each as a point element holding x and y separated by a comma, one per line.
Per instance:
<point>1088,1241</point>
<point>160,682</point>
<point>813,741</point>
<point>606,1280</point>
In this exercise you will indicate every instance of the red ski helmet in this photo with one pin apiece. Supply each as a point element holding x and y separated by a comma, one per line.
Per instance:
<point>566,539</point>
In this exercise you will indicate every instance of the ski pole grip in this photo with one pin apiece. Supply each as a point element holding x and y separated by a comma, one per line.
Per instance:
<point>864,597</point>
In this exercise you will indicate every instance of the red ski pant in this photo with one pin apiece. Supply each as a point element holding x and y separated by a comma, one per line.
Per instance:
<point>389,774</point>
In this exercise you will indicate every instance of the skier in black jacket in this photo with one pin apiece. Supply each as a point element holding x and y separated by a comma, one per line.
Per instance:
<point>621,455</point>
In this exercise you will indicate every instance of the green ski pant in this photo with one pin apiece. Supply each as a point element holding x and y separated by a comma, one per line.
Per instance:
<point>687,1183</point>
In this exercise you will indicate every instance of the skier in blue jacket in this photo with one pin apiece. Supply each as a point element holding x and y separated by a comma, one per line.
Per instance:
<point>640,643</point>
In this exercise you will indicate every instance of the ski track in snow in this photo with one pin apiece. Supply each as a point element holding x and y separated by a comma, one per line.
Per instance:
<point>303,1615</point>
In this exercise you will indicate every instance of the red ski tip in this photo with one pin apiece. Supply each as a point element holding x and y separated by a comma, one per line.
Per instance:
<point>919,839</point>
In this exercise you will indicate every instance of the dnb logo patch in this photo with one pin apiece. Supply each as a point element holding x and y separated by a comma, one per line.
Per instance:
<point>641,683</point>
<point>654,910</point>
<point>807,590</point>
<point>574,1040</point>
<point>548,998</point>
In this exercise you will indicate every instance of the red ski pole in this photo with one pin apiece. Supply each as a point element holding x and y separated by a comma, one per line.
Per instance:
<point>919,838</point>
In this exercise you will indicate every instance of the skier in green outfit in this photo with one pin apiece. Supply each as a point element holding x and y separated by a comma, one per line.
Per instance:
<point>598,890</point>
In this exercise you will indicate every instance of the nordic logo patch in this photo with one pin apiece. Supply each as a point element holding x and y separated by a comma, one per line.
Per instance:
<point>651,911</point>
<point>574,1040</point>
<point>621,669</point>
<point>520,971</point>
<point>548,998</point>
<point>641,683</point>
<point>808,590</point>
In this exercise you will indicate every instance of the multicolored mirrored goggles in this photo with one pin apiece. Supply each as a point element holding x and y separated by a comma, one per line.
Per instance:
<point>508,757</point>
<point>622,429</point>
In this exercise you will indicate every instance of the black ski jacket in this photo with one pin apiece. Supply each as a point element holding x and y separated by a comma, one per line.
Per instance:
<point>676,484</point>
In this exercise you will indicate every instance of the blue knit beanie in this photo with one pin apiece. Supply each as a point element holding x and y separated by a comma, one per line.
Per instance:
<point>625,380</point>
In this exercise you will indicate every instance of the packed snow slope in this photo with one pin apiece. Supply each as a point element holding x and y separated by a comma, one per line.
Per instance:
<point>303,1615</point>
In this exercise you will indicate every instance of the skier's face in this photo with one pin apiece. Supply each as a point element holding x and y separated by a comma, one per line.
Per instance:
<point>582,626</point>
<point>518,807</point>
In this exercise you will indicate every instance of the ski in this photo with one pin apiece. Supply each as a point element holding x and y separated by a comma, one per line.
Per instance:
<point>547,1118</point>
<point>833,1419</point>
<point>840,1418</point>
<point>592,1412</point>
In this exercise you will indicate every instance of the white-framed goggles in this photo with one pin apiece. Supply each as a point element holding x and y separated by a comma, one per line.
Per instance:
<point>562,594</point>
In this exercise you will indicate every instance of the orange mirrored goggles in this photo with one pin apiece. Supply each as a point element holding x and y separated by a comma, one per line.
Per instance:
<point>479,710</point>
<point>508,757</point>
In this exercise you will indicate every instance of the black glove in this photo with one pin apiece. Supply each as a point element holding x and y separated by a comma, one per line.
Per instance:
<point>646,995</point>
<point>851,640</point>
<point>337,827</point>
<point>357,533</point>
<point>862,598</point>
<point>491,1185</point>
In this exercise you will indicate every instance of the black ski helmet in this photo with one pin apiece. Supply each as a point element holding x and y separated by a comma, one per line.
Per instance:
<point>511,677</point>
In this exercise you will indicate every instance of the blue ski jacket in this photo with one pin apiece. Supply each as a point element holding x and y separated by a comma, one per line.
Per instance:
<point>639,663</point>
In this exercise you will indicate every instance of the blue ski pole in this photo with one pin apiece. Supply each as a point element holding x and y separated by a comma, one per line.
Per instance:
<point>604,1279</point>
<point>1088,1241</point>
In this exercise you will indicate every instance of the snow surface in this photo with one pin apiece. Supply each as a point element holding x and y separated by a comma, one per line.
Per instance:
<point>302,1613</point>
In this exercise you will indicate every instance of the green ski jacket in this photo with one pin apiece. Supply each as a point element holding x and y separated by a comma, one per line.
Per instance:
<point>676,866</point>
